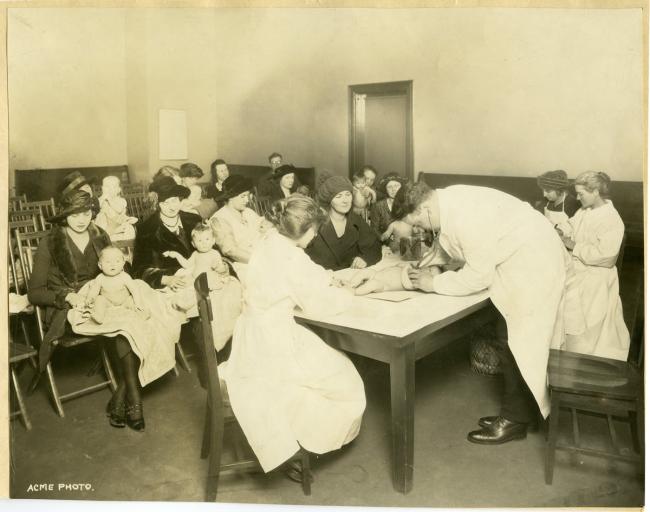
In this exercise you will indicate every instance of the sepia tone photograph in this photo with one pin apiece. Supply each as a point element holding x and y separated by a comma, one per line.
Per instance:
<point>371,255</point>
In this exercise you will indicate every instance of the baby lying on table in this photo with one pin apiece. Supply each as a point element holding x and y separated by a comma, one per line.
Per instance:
<point>398,277</point>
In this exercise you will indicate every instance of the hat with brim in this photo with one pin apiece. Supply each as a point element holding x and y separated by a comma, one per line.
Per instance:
<point>387,179</point>
<point>283,170</point>
<point>233,186</point>
<point>553,180</point>
<point>73,181</point>
<point>165,187</point>
<point>76,201</point>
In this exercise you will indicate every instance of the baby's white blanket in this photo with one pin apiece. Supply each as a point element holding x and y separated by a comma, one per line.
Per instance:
<point>153,340</point>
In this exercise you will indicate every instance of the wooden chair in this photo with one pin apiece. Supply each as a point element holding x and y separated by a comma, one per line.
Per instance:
<point>30,214</point>
<point>14,201</point>
<point>18,353</point>
<point>218,413</point>
<point>599,385</point>
<point>137,204</point>
<point>133,188</point>
<point>66,341</point>
<point>46,207</point>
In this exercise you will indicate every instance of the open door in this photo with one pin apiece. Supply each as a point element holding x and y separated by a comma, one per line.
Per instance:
<point>381,127</point>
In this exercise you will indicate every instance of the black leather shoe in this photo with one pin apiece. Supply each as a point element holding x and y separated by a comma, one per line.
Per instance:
<point>116,412</point>
<point>486,421</point>
<point>500,431</point>
<point>134,417</point>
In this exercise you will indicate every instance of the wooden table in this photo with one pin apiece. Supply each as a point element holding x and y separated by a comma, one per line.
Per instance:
<point>400,333</point>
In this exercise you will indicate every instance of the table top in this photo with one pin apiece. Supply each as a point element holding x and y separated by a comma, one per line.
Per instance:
<point>400,319</point>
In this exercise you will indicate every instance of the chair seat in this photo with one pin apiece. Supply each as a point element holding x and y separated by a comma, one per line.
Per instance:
<point>74,340</point>
<point>20,352</point>
<point>584,374</point>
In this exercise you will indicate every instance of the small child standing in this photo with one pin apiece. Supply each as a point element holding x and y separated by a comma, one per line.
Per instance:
<point>112,216</point>
<point>113,287</point>
<point>363,196</point>
<point>225,290</point>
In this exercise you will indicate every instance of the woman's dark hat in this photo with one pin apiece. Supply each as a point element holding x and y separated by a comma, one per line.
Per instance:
<point>387,179</point>
<point>165,187</point>
<point>190,170</point>
<point>76,201</point>
<point>554,180</point>
<point>283,170</point>
<point>72,181</point>
<point>233,186</point>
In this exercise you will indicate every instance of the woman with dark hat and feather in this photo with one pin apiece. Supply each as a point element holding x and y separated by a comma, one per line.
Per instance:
<point>345,240</point>
<point>77,181</point>
<point>66,259</point>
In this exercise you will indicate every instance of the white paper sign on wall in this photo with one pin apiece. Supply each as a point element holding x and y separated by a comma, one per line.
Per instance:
<point>173,134</point>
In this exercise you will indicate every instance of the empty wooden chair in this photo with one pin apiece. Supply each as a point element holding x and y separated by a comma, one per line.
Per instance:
<point>65,342</point>
<point>14,201</point>
<point>599,385</point>
<point>46,208</point>
<point>218,414</point>
<point>29,214</point>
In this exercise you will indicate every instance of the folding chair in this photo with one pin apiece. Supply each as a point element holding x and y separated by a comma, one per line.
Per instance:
<point>17,354</point>
<point>32,214</point>
<point>137,204</point>
<point>218,413</point>
<point>67,341</point>
<point>47,207</point>
<point>14,201</point>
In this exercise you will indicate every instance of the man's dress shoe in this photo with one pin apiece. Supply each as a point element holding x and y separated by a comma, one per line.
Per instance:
<point>500,431</point>
<point>486,421</point>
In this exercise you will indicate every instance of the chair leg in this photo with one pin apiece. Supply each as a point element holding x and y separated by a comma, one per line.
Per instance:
<point>306,472</point>
<point>108,369</point>
<point>552,438</point>
<point>205,443</point>
<point>54,390</point>
<point>23,325</point>
<point>20,400</point>
<point>175,370</point>
<point>183,358</point>
<point>216,444</point>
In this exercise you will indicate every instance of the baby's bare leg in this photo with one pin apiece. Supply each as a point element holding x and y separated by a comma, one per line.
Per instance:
<point>99,309</point>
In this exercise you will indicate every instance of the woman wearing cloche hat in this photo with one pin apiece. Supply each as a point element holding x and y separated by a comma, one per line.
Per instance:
<point>65,261</point>
<point>560,205</point>
<point>345,240</point>
<point>237,227</point>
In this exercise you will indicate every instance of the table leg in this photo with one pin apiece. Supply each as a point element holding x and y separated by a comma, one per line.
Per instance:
<point>402,390</point>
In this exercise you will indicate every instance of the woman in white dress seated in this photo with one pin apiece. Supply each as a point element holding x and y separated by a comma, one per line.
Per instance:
<point>593,313</point>
<point>287,387</point>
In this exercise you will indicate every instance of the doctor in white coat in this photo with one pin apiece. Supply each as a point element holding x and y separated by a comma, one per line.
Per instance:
<point>511,250</point>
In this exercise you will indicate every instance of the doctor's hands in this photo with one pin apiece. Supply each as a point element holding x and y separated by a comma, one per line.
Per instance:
<point>423,279</point>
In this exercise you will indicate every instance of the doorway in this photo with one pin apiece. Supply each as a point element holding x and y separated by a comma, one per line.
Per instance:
<point>381,127</point>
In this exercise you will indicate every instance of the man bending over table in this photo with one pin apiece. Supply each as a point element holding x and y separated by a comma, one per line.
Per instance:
<point>512,251</point>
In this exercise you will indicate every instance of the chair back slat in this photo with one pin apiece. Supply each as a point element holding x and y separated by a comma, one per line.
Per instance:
<point>27,244</point>
<point>137,204</point>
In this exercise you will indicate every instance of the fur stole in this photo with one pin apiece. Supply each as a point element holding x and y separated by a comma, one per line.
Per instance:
<point>61,252</point>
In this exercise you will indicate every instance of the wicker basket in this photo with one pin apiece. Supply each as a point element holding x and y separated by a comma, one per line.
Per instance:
<point>483,357</point>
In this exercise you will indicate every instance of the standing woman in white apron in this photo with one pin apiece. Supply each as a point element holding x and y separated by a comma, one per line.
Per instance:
<point>510,250</point>
<point>593,311</point>
<point>560,204</point>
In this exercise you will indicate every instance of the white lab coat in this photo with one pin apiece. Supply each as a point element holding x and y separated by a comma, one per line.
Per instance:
<point>514,252</point>
<point>593,310</point>
<point>287,387</point>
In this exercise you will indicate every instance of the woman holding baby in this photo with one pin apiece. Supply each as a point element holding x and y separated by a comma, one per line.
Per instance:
<point>68,258</point>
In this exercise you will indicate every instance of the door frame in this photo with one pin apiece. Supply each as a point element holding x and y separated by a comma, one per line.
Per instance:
<point>402,88</point>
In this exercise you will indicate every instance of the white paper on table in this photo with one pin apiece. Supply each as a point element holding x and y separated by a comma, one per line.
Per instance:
<point>396,296</point>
